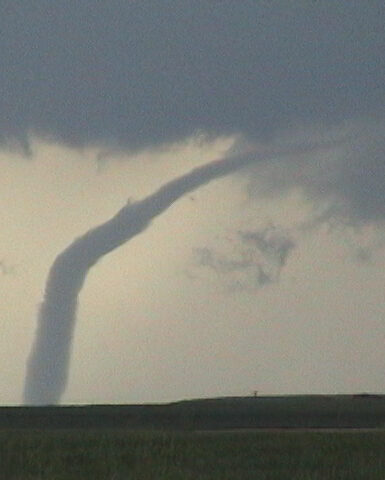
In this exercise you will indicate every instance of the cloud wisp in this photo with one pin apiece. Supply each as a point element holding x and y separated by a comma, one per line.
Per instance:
<point>257,259</point>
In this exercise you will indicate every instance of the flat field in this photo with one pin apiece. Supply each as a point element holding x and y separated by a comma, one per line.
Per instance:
<point>183,455</point>
<point>316,437</point>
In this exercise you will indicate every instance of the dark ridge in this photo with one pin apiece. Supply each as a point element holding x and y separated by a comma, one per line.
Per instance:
<point>294,411</point>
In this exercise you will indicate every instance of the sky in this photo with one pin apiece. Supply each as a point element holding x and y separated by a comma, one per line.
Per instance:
<point>269,279</point>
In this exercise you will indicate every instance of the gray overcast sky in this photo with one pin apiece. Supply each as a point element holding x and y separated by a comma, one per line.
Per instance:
<point>235,288</point>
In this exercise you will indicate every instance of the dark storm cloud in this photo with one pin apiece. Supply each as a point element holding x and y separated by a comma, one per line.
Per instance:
<point>143,73</point>
<point>137,74</point>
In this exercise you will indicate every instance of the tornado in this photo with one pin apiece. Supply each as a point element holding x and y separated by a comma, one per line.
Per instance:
<point>48,363</point>
<point>49,360</point>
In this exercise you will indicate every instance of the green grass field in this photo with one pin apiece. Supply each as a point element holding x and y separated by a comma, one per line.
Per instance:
<point>218,439</point>
<point>156,455</point>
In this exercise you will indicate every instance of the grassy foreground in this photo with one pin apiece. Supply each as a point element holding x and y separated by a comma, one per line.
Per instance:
<point>133,455</point>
